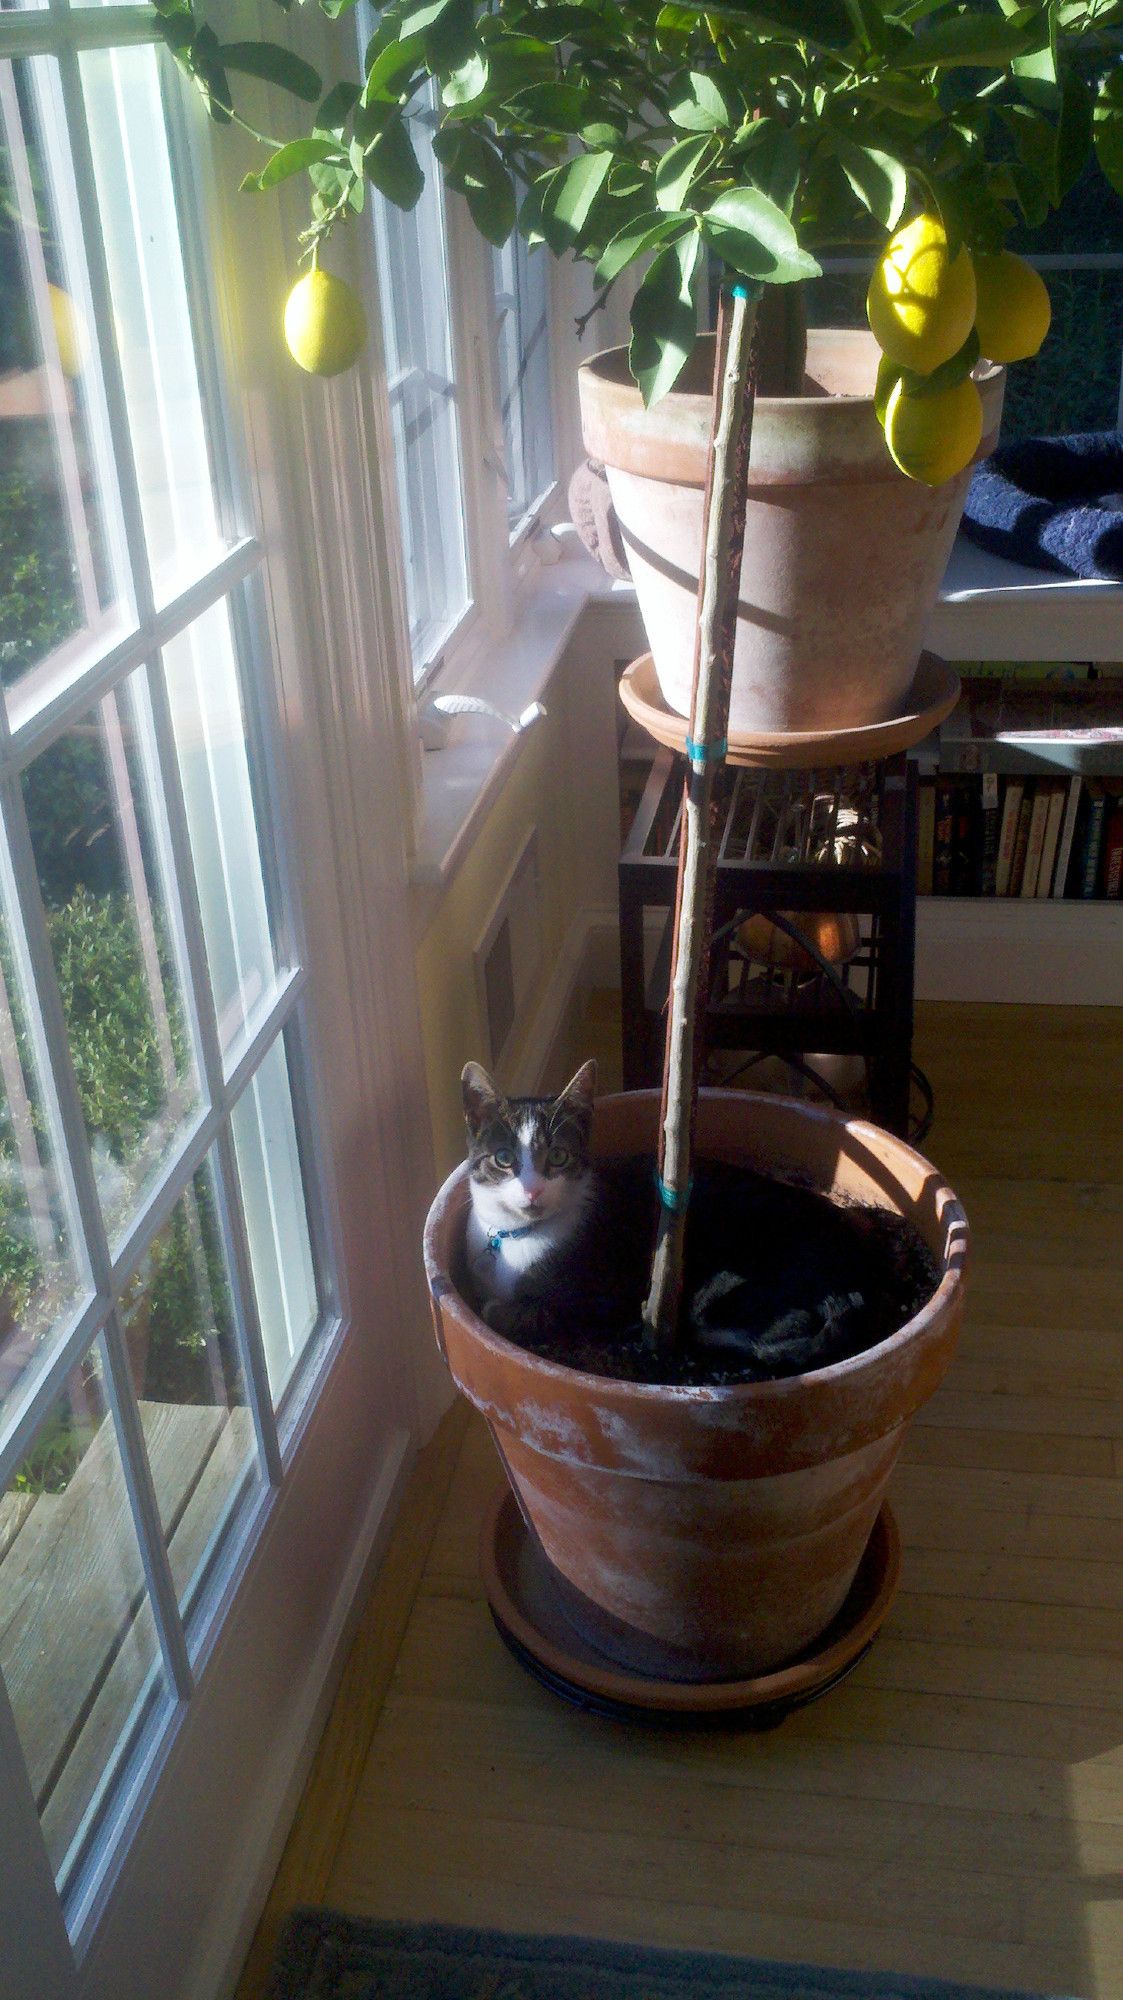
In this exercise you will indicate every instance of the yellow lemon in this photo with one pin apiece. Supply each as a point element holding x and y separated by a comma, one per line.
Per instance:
<point>888,375</point>
<point>921,301</point>
<point>71,333</point>
<point>931,438</point>
<point>1013,311</point>
<point>325,325</point>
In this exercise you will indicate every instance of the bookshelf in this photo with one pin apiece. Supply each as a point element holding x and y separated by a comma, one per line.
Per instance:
<point>1031,949</point>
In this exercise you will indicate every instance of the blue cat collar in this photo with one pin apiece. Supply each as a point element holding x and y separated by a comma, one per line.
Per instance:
<point>701,754</point>
<point>498,1237</point>
<point>674,1199</point>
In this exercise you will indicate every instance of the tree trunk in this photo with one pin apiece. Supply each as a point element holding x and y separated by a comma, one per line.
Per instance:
<point>723,534</point>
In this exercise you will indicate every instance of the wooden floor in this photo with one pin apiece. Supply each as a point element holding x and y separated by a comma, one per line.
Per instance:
<point>956,1808</point>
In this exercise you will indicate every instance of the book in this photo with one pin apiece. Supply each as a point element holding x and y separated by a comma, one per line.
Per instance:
<point>925,835</point>
<point>1036,840</point>
<point>943,838</point>
<point>1021,841</point>
<point>1011,806</point>
<point>1068,831</point>
<point>965,845</point>
<point>990,816</point>
<point>1051,842</point>
<point>1113,851</point>
<point>1093,838</point>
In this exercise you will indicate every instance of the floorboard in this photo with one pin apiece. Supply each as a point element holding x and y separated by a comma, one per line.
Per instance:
<point>956,1809</point>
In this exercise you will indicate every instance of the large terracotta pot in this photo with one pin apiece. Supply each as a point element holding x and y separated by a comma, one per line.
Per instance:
<point>843,555</point>
<point>710,1533</point>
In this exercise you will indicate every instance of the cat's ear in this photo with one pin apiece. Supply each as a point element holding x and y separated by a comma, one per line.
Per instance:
<point>481,1099</point>
<point>577,1097</point>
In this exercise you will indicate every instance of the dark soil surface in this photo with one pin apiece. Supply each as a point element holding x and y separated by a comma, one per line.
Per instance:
<point>780,1279</point>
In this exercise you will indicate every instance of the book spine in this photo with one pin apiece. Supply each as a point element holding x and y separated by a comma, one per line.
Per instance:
<point>1011,806</point>
<point>1068,834</point>
<point>944,838</point>
<point>926,835</point>
<point>1097,813</point>
<point>1036,840</point>
<point>991,817</point>
<point>1021,842</point>
<point>1051,841</point>
<point>965,848</point>
<point>1113,853</point>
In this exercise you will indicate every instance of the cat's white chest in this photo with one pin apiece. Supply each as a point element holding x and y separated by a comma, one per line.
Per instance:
<point>501,1261</point>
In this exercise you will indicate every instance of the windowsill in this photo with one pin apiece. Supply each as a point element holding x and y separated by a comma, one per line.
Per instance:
<point>460,781</point>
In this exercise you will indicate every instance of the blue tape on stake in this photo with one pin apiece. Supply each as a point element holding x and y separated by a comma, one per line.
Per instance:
<point>739,291</point>
<point>701,754</point>
<point>670,1197</point>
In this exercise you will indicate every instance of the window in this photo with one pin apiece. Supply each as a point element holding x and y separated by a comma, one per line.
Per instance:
<point>522,307</point>
<point>163,1274</point>
<point>421,387</point>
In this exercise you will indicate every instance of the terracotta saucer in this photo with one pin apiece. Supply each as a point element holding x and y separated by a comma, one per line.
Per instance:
<point>530,1619</point>
<point>933,695</point>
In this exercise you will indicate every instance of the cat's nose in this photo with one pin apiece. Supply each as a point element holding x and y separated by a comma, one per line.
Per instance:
<point>533,1192</point>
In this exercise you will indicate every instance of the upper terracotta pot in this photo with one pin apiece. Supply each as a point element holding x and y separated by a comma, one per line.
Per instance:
<point>707,1533</point>
<point>843,555</point>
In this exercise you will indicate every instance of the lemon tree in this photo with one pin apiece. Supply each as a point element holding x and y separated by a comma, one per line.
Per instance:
<point>757,133</point>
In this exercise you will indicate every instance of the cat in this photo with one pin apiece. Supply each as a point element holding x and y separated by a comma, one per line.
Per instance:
<point>776,1281</point>
<point>545,1228</point>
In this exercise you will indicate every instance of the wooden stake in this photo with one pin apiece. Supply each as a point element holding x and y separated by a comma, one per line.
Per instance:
<point>723,535</point>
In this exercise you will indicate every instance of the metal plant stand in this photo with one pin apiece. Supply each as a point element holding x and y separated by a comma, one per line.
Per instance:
<point>792,843</point>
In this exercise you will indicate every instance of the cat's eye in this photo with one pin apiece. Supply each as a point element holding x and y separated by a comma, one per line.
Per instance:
<point>504,1157</point>
<point>558,1156</point>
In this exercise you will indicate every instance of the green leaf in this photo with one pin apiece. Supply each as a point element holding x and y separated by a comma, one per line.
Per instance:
<point>391,164</point>
<point>390,68</point>
<point>336,108</point>
<point>273,64</point>
<point>770,156</point>
<point>1110,145</point>
<point>679,166</point>
<point>415,20</point>
<point>664,320</point>
<point>981,41</point>
<point>821,23</point>
<point>291,159</point>
<point>636,238</point>
<point>468,82</point>
<point>878,180</point>
<point>756,238</point>
<point>555,107</point>
<point>474,169</point>
<point>1074,132</point>
<point>701,104</point>
<point>569,198</point>
<point>332,8</point>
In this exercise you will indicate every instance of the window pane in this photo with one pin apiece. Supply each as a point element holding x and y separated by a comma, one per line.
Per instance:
<point>94,831</point>
<point>78,1646</point>
<point>522,302</point>
<point>210,735</point>
<point>132,169</point>
<point>61,562</point>
<point>421,381</point>
<point>178,1319</point>
<point>40,1281</point>
<point>276,1217</point>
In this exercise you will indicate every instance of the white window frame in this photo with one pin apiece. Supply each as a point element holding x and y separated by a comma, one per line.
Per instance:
<point>343,731</point>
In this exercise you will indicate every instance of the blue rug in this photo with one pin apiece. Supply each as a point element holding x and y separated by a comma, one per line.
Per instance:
<point>324,1956</point>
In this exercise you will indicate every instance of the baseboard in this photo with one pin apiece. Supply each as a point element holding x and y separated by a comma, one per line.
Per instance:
<point>1019,950</point>
<point>231,1927</point>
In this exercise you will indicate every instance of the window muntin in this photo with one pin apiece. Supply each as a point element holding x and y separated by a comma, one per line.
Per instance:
<point>424,404</point>
<point>522,307</point>
<point>137,831</point>
<point>63,586</point>
<point>79,1647</point>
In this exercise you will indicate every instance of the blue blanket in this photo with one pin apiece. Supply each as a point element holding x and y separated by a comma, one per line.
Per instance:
<point>1046,503</point>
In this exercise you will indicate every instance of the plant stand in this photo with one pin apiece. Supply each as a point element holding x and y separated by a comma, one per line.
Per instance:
<point>775,828</point>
